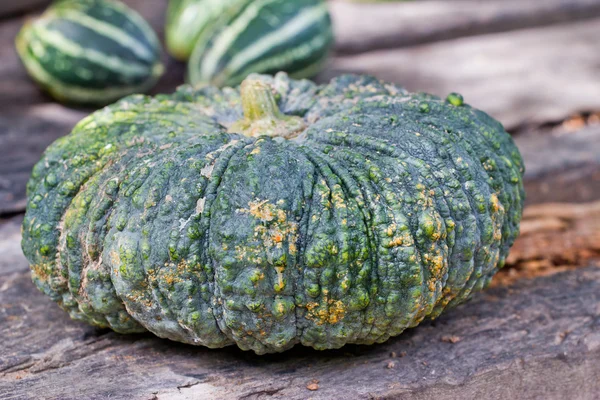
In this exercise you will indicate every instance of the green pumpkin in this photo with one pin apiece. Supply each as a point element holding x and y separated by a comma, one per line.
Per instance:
<point>225,40</point>
<point>90,51</point>
<point>288,214</point>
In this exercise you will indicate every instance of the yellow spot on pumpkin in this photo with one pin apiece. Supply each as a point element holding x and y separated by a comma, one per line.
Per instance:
<point>331,312</point>
<point>273,231</point>
<point>281,216</point>
<point>391,229</point>
<point>292,248</point>
<point>397,241</point>
<point>336,312</point>
<point>495,203</point>
<point>431,285</point>
<point>338,199</point>
<point>41,271</point>
<point>115,259</point>
<point>496,215</point>
<point>260,210</point>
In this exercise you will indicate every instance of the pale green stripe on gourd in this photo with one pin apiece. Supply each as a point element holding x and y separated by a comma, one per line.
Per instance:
<point>78,54</point>
<point>109,31</point>
<point>303,21</point>
<point>268,64</point>
<point>296,39</point>
<point>226,39</point>
<point>71,48</point>
<point>65,93</point>
<point>187,20</point>
<point>114,13</point>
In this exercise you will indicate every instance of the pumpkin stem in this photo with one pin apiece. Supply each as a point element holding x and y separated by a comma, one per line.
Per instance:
<point>262,116</point>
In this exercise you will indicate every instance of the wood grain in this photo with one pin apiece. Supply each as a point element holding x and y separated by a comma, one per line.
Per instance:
<point>24,136</point>
<point>524,77</point>
<point>562,165</point>
<point>366,27</point>
<point>11,7</point>
<point>536,339</point>
<point>554,237</point>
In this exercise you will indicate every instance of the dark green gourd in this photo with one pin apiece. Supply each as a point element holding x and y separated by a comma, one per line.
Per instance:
<point>225,40</point>
<point>294,213</point>
<point>188,19</point>
<point>90,51</point>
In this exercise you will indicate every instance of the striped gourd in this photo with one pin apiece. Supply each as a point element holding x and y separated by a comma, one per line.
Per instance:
<point>188,19</point>
<point>90,51</point>
<point>233,38</point>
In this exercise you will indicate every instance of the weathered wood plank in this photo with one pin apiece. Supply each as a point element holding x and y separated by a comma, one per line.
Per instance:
<point>538,338</point>
<point>8,8</point>
<point>366,27</point>
<point>522,77</point>
<point>554,237</point>
<point>24,136</point>
<point>562,166</point>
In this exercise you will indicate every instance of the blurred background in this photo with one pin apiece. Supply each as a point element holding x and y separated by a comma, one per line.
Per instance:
<point>532,64</point>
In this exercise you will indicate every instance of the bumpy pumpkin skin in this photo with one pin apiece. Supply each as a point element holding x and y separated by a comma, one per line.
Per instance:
<point>387,209</point>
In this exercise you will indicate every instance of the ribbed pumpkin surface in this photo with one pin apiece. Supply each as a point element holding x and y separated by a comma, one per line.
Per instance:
<point>388,208</point>
<point>90,51</point>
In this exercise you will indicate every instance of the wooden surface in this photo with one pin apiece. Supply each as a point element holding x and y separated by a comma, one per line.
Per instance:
<point>555,237</point>
<point>562,165</point>
<point>522,77</point>
<point>534,334</point>
<point>11,7</point>
<point>360,28</point>
<point>538,336</point>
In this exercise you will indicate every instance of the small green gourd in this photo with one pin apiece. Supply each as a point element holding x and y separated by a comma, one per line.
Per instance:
<point>225,40</point>
<point>90,52</point>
